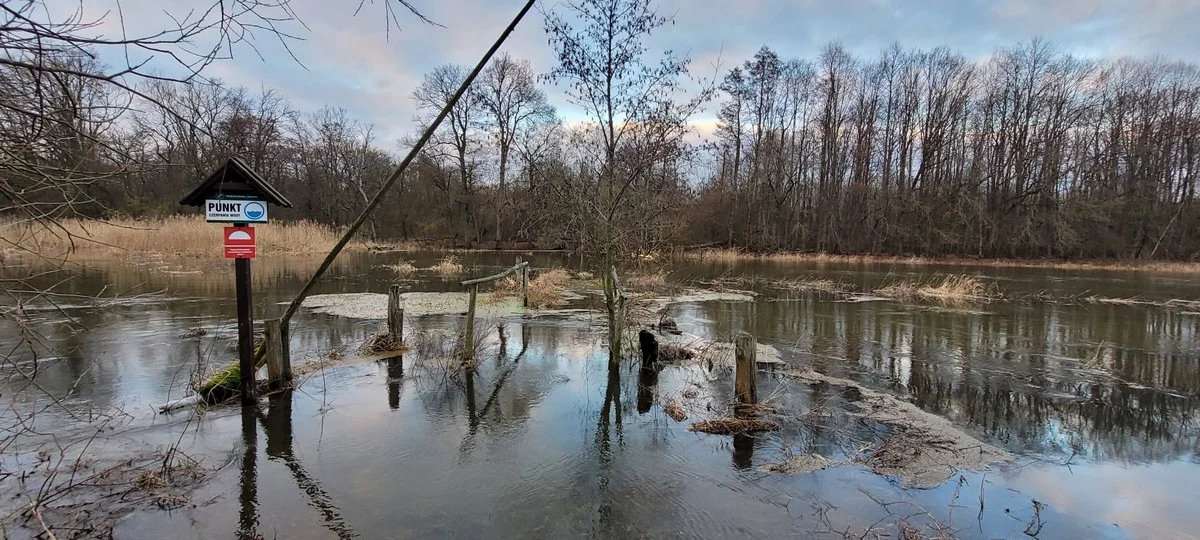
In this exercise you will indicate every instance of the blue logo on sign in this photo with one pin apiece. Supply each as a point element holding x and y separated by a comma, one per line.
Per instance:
<point>255,210</point>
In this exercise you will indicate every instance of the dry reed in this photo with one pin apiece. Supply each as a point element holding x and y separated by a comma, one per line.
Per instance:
<point>813,285</point>
<point>675,411</point>
<point>546,290</point>
<point>382,342</point>
<point>647,281</point>
<point>732,255</point>
<point>959,288</point>
<point>177,236</point>
<point>449,266</point>
<point>403,269</point>
<point>733,426</point>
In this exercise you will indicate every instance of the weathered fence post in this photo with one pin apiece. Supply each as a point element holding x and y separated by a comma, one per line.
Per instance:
<point>469,344</point>
<point>649,345</point>
<point>279,365</point>
<point>395,314</point>
<point>524,284</point>
<point>746,378</point>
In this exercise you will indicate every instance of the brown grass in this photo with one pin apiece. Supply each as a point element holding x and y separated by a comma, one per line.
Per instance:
<point>813,285</point>
<point>403,268</point>
<point>732,255</point>
<point>178,236</point>
<point>647,281</point>
<point>449,266</point>
<point>733,426</point>
<point>509,287</point>
<point>675,411</point>
<point>951,288</point>
<point>382,342</point>
<point>546,289</point>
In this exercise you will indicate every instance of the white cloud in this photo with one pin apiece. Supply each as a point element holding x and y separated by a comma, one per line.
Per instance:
<point>353,62</point>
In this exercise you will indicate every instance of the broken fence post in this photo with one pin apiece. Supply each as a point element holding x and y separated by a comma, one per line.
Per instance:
<point>649,346</point>
<point>395,314</point>
<point>746,378</point>
<point>279,365</point>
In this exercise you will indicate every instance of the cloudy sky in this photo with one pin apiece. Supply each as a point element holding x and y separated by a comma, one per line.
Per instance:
<point>352,63</point>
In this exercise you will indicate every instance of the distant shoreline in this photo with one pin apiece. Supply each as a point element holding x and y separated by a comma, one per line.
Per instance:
<point>191,237</point>
<point>729,255</point>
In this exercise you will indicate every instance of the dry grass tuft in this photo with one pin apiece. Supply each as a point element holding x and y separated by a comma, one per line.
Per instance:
<point>673,410</point>
<point>177,236</point>
<point>382,342</point>
<point>647,281</point>
<point>403,269</point>
<point>733,426</point>
<point>449,266</point>
<point>507,287</point>
<point>675,353</point>
<point>958,288</point>
<point>546,290</point>
<point>813,285</point>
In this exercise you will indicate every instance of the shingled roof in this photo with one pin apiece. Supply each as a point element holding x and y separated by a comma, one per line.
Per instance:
<point>235,179</point>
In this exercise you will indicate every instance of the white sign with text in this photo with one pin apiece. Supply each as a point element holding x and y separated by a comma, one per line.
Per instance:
<point>235,211</point>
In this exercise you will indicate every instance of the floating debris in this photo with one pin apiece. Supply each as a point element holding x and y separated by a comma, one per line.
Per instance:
<point>673,410</point>
<point>733,426</point>
<point>801,464</point>
<point>382,342</point>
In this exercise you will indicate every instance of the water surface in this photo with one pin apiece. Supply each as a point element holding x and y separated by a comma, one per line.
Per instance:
<point>1097,400</point>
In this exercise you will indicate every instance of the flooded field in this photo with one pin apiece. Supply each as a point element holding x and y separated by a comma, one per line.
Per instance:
<point>1089,379</point>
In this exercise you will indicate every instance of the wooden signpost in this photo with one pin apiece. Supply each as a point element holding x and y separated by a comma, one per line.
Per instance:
<point>236,194</point>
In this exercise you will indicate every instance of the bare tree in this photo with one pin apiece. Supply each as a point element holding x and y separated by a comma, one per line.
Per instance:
<point>513,103</point>
<point>457,140</point>
<point>636,124</point>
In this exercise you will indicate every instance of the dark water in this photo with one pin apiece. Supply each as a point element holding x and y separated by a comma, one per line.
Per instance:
<point>1098,401</point>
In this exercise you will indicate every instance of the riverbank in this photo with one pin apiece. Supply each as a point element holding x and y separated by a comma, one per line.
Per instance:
<point>191,237</point>
<point>176,236</point>
<point>733,255</point>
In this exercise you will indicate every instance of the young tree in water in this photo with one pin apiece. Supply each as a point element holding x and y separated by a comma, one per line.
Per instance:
<point>635,129</point>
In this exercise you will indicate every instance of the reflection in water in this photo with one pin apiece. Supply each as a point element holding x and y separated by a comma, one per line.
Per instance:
<point>1109,382</point>
<point>743,451</point>
<point>278,426</point>
<point>647,384</point>
<point>610,410</point>
<point>1104,381</point>
<point>395,378</point>
<point>248,497</point>
<point>555,448</point>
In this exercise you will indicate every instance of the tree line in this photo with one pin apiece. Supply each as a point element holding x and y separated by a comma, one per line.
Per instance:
<point>1029,153</point>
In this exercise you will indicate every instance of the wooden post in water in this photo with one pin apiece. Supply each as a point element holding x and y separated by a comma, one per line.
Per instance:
<point>469,339</point>
<point>524,284</point>
<point>649,345</point>
<point>746,379</point>
<point>245,326</point>
<point>395,314</point>
<point>279,365</point>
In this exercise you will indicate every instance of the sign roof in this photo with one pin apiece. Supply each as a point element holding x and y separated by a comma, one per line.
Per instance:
<point>235,179</point>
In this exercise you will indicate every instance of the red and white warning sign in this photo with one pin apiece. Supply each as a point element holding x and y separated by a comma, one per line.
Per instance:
<point>239,243</point>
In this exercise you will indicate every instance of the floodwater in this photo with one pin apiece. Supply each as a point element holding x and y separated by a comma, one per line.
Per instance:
<point>1096,400</point>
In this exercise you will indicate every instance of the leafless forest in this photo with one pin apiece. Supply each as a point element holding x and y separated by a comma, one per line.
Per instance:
<point>1032,152</point>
